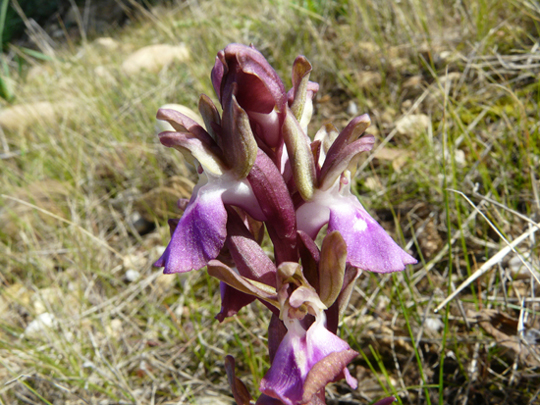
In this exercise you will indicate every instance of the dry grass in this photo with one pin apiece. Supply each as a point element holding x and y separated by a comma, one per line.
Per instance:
<point>74,185</point>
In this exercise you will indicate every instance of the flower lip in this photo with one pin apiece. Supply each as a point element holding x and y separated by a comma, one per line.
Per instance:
<point>199,235</point>
<point>201,231</point>
<point>369,247</point>
<point>306,361</point>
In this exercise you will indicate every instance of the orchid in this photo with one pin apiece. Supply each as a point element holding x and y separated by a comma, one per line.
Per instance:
<point>259,170</point>
<point>307,359</point>
<point>331,201</point>
<point>200,234</point>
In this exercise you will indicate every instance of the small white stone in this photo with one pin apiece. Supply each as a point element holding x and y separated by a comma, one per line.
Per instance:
<point>88,364</point>
<point>108,43</point>
<point>451,354</point>
<point>444,55</point>
<point>413,124</point>
<point>352,108</point>
<point>459,157</point>
<point>39,325</point>
<point>154,57</point>
<point>132,275</point>
<point>517,267</point>
<point>434,324</point>
<point>115,328</point>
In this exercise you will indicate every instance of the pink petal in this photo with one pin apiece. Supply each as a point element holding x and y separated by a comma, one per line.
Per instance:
<point>199,235</point>
<point>369,247</point>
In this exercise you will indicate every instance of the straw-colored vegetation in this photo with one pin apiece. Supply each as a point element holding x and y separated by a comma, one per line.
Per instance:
<point>452,88</point>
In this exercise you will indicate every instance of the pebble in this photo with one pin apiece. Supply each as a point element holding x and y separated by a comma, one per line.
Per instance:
<point>108,43</point>
<point>352,108</point>
<point>413,124</point>
<point>433,324</point>
<point>154,57</point>
<point>132,275</point>
<point>44,321</point>
<point>516,266</point>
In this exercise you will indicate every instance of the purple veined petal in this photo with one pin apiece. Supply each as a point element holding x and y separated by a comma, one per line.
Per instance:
<point>350,133</point>
<point>184,123</point>
<point>328,358</point>
<point>266,400</point>
<point>242,72</point>
<point>369,247</point>
<point>238,388</point>
<point>199,235</point>
<point>321,342</point>
<point>250,259</point>
<point>276,333</point>
<point>231,277</point>
<point>285,379</point>
<point>277,206</point>
<point>305,362</point>
<point>337,163</point>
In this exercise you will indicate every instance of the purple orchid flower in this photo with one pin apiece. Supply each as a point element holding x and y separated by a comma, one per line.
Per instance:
<point>306,359</point>
<point>305,362</point>
<point>326,191</point>
<point>200,234</point>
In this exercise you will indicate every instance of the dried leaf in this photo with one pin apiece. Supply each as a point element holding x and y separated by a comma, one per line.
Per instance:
<point>504,330</point>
